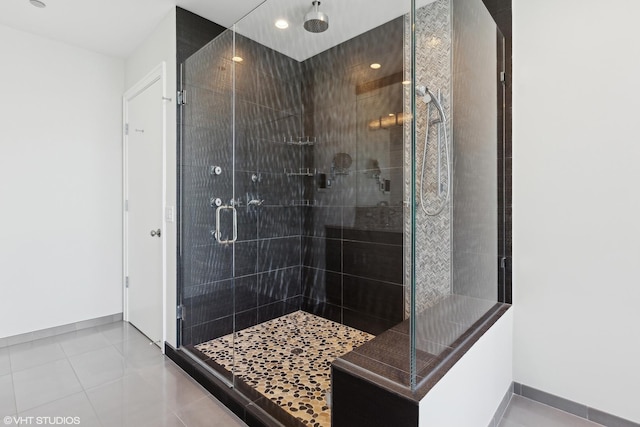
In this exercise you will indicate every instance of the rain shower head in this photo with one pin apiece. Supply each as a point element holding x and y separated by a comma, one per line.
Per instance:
<point>316,21</point>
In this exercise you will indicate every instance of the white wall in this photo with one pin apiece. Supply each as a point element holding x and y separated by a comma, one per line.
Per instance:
<point>60,183</point>
<point>470,393</point>
<point>158,47</point>
<point>576,203</point>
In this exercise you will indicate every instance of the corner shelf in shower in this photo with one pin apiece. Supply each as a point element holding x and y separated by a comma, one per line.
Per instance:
<point>301,141</point>
<point>300,172</point>
<point>303,203</point>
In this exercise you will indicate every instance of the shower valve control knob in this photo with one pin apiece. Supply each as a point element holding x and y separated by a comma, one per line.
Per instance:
<point>215,202</point>
<point>215,170</point>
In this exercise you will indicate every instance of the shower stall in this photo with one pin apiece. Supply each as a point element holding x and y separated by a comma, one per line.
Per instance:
<point>328,216</point>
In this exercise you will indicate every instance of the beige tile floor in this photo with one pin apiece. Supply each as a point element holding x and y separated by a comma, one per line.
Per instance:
<point>108,376</point>
<point>111,376</point>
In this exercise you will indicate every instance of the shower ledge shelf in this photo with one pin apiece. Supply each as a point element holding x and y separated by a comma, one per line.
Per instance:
<point>301,141</point>
<point>300,172</point>
<point>303,203</point>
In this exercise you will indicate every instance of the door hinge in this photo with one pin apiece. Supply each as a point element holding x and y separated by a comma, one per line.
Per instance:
<point>503,262</point>
<point>126,128</point>
<point>126,282</point>
<point>126,205</point>
<point>180,312</point>
<point>503,76</point>
<point>182,97</point>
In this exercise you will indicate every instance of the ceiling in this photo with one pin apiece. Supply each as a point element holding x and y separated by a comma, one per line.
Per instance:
<point>117,27</point>
<point>347,19</point>
<point>111,27</point>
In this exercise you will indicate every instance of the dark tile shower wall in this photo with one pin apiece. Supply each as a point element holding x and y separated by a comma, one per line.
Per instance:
<point>352,268</point>
<point>500,10</point>
<point>323,98</point>
<point>334,258</point>
<point>192,33</point>
<point>259,277</point>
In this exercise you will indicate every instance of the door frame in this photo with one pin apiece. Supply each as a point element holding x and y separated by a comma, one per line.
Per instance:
<point>158,73</point>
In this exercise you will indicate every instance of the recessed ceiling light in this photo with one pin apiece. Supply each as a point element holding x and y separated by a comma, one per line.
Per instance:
<point>38,3</point>
<point>406,82</point>
<point>237,59</point>
<point>375,66</point>
<point>282,24</point>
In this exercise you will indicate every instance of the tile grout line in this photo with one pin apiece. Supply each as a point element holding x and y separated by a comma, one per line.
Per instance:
<point>93,408</point>
<point>52,401</point>
<point>132,371</point>
<point>84,390</point>
<point>13,384</point>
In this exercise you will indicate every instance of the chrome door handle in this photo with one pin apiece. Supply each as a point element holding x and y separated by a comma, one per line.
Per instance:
<point>155,233</point>
<point>235,225</point>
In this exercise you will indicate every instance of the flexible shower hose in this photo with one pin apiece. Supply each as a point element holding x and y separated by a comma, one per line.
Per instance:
<point>443,120</point>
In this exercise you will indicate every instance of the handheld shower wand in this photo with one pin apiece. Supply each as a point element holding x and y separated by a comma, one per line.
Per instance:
<point>428,97</point>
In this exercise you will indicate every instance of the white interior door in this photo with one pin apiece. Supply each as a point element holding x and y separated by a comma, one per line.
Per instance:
<point>144,211</point>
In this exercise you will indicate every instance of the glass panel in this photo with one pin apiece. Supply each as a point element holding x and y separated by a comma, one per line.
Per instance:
<point>268,251</point>
<point>457,139</point>
<point>327,195</point>
<point>354,213</point>
<point>207,267</point>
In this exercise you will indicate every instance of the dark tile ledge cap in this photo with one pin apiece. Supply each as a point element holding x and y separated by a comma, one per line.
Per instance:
<point>427,379</point>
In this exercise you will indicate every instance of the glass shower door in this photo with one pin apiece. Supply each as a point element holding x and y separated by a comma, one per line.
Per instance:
<point>241,197</point>
<point>208,214</point>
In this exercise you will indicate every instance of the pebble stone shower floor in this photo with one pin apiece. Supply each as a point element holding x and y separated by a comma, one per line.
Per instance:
<point>288,360</point>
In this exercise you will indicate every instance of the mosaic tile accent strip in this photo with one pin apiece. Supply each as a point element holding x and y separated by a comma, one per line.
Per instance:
<point>433,233</point>
<point>288,360</point>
